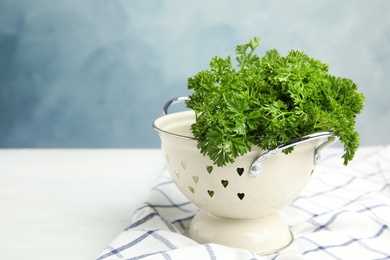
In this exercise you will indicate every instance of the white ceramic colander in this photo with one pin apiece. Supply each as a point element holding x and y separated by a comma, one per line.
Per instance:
<point>239,202</point>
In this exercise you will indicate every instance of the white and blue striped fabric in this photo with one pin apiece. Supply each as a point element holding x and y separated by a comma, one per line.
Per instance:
<point>344,213</point>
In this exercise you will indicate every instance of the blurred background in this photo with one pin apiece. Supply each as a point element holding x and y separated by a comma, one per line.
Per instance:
<point>96,73</point>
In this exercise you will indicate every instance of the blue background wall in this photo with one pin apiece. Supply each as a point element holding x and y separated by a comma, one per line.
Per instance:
<point>97,73</point>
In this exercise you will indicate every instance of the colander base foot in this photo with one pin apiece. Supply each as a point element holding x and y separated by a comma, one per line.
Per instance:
<point>262,236</point>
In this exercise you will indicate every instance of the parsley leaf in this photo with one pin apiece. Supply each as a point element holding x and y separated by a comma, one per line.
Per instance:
<point>268,101</point>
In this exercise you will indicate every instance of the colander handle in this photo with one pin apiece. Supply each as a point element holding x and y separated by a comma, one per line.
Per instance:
<point>171,102</point>
<point>331,138</point>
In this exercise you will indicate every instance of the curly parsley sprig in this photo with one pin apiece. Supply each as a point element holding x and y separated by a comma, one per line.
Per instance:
<point>268,101</point>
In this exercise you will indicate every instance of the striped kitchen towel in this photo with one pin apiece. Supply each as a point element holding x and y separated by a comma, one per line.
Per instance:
<point>343,213</point>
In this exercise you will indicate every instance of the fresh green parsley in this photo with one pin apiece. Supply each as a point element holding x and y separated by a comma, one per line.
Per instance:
<point>268,101</point>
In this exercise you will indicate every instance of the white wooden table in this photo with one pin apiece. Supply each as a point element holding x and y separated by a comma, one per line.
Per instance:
<point>70,204</point>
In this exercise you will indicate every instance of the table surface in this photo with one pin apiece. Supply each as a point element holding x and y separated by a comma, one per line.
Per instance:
<point>70,203</point>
